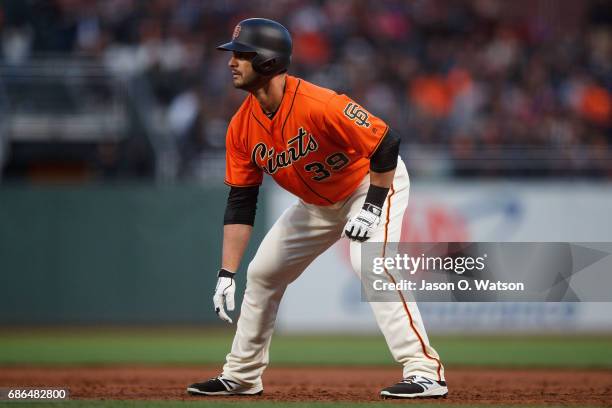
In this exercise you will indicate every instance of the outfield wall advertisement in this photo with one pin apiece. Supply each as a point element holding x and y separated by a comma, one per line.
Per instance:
<point>462,212</point>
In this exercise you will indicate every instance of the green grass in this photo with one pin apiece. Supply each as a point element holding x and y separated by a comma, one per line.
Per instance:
<point>180,346</point>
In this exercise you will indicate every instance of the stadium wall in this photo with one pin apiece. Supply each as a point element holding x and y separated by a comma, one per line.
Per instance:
<point>463,211</point>
<point>111,254</point>
<point>128,254</point>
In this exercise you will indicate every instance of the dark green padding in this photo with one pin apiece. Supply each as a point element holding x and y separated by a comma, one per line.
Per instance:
<point>111,254</point>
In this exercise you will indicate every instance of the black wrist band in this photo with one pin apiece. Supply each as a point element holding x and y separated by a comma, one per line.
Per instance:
<point>376,196</point>
<point>224,273</point>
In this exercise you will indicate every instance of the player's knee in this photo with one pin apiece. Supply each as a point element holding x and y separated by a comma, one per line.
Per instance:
<point>258,273</point>
<point>253,271</point>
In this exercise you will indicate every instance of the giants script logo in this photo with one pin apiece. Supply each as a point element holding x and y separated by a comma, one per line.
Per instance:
<point>299,147</point>
<point>236,32</point>
<point>354,112</point>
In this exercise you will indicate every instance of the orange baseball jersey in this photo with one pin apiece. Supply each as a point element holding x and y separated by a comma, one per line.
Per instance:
<point>317,146</point>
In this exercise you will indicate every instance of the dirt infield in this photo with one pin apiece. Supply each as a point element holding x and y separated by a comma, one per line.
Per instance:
<point>474,385</point>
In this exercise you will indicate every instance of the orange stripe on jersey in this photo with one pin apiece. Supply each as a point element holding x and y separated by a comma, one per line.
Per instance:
<point>316,146</point>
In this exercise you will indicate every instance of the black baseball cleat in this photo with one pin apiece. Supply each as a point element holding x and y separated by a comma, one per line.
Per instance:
<point>222,386</point>
<point>416,386</point>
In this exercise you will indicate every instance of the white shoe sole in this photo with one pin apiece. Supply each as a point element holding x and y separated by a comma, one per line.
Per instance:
<point>195,391</point>
<point>438,392</point>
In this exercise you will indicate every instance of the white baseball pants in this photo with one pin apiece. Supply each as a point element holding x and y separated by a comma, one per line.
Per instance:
<point>302,233</point>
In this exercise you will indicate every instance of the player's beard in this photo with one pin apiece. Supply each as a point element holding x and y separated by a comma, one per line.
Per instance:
<point>250,82</point>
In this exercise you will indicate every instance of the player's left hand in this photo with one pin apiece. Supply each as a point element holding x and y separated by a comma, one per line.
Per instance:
<point>361,227</point>
<point>224,294</point>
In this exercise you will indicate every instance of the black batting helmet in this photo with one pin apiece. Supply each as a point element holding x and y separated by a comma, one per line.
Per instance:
<point>269,40</point>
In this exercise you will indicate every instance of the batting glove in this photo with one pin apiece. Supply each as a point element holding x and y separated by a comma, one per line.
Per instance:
<point>224,293</point>
<point>361,227</point>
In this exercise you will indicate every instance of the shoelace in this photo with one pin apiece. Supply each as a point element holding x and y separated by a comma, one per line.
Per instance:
<point>226,382</point>
<point>408,380</point>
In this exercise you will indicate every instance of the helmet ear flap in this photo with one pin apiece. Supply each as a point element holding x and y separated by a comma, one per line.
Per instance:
<point>269,65</point>
<point>263,65</point>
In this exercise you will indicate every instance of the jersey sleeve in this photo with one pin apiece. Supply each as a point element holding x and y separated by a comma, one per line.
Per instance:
<point>240,171</point>
<point>356,127</point>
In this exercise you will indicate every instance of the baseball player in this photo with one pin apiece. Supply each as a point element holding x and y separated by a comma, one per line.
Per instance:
<point>342,163</point>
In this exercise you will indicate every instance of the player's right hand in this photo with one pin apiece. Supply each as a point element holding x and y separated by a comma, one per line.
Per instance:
<point>361,227</point>
<point>224,294</point>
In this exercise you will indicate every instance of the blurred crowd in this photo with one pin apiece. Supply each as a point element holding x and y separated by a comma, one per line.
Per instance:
<point>495,87</point>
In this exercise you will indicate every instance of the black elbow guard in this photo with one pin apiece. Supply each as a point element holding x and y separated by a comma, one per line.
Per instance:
<point>241,206</point>
<point>385,157</point>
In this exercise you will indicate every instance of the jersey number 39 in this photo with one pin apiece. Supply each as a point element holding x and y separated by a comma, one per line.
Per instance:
<point>335,162</point>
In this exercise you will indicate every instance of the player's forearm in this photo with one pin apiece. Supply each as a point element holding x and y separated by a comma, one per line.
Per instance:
<point>383,180</point>
<point>235,240</point>
<point>238,224</point>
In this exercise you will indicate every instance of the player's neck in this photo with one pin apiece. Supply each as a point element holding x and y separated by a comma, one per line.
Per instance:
<point>270,95</point>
